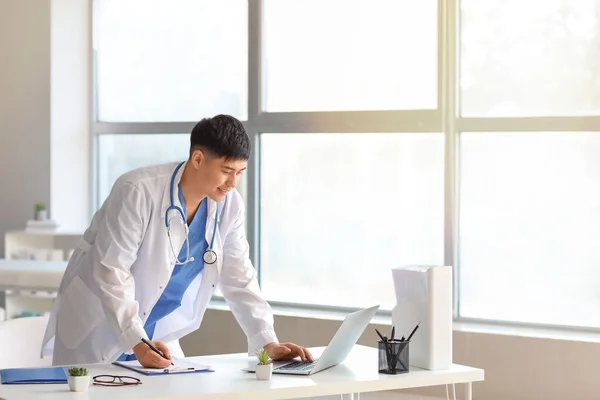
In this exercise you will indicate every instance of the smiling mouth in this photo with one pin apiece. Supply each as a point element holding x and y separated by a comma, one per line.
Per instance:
<point>223,191</point>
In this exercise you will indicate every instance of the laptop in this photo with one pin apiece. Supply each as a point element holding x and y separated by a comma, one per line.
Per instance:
<point>336,351</point>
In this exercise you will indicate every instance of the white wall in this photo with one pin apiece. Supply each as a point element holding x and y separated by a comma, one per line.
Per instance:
<point>70,113</point>
<point>24,110</point>
<point>44,112</point>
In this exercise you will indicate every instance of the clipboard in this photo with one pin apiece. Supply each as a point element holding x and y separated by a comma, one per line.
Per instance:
<point>181,367</point>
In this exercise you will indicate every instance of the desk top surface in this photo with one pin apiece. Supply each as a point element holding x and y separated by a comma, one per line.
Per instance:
<point>358,373</point>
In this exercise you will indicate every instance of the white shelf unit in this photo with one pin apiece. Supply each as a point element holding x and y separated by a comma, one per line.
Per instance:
<point>22,303</point>
<point>28,287</point>
<point>38,247</point>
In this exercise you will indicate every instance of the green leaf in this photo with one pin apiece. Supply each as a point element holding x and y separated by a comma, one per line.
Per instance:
<point>78,371</point>
<point>263,357</point>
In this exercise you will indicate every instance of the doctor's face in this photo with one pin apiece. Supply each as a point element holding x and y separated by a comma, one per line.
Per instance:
<point>217,176</point>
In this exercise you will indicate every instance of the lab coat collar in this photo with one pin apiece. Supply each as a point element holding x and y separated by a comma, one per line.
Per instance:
<point>166,203</point>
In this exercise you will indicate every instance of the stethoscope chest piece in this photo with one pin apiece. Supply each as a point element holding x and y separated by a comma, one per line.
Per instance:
<point>209,256</point>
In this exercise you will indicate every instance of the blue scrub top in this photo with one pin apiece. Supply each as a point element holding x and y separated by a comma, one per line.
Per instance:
<point>182,275</point>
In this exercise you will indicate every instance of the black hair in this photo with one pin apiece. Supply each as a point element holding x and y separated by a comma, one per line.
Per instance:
<point>221,136</point>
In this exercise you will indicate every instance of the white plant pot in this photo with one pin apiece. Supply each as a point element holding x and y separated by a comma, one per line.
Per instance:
<point>264,372</point>
<point>41,215</point>
<point>79,383</point>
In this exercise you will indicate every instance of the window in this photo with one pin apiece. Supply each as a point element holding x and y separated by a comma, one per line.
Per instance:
<point>375,55</point>
<point>170,60</point>
<point>118,154</point>
<point>530,58</point>
<point>339,211</point>
<point>530,227</point>
<point>362,97</point>
<point>529,221</point>
<point>386,133</point>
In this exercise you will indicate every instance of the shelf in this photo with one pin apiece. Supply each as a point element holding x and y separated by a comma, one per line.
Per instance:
<point>28,279</point>
<point>31,275</point>
<point>40,245</point>
<point>32,294</point>
<point>42,232</point>
<point>32,265</point>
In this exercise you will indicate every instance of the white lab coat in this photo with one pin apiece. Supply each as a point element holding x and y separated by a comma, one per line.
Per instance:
<point>124,262</point>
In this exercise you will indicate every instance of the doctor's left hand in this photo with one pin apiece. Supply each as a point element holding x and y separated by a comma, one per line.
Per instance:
<point>287,351</point>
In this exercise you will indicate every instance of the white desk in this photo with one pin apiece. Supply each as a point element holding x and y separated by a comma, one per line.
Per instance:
<point>358,374</point>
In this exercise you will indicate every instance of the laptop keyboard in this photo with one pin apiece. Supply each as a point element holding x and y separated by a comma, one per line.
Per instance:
<point>297,366</point>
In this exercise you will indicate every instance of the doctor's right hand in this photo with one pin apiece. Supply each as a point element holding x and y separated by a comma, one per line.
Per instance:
<point>148,358</point>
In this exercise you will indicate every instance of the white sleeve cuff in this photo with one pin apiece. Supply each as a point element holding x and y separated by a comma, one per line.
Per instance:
<point>262,338</point>
<point>132,336</point>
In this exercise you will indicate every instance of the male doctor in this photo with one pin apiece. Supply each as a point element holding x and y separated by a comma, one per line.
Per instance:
<point>164,239</point>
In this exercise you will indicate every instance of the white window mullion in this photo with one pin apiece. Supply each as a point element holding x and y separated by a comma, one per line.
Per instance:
<point>449,92</point>
<point>255,72</point>
<point>115,128</point>
<point>530,124</point>
<point>351,121</point>
<point>254,110</point>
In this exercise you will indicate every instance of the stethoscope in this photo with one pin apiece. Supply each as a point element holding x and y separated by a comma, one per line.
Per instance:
<point>209,256</point>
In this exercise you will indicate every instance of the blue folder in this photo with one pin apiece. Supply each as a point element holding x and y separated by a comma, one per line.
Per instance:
<point>24,376</point>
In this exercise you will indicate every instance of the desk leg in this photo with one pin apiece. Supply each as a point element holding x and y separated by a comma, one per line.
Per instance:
<point>3,301</point>
<point>469,391</point>
<point>453,391</point>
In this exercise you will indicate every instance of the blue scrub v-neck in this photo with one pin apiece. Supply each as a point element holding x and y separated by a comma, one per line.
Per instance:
<point>182,275</point>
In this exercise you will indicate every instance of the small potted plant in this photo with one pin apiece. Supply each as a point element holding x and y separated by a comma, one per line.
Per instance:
<point>78,379</point>
<point>40,211</point>
<point>264,367</point>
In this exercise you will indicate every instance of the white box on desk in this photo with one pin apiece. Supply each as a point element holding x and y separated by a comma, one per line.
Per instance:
<point>424,294</point>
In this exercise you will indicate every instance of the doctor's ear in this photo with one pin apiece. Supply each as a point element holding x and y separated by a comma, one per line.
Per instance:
<point>197,157</point>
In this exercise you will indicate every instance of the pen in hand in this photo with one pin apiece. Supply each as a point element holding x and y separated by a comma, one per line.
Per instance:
<point>155,349</point>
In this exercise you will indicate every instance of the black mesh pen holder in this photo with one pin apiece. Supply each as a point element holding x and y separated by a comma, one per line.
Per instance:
<point>393,357</point>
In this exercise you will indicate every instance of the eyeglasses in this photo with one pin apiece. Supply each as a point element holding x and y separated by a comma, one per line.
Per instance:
<point>112,380</point>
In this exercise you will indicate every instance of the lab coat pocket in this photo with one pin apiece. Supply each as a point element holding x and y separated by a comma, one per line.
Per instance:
<point>81,311</point>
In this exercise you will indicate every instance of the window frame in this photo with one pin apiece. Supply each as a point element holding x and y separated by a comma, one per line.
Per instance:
<point>259,121</point>
<point>455,126</point>
<point>446,118</point>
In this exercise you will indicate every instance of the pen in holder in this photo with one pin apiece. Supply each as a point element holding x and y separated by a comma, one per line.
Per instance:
<point>393,356</point>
